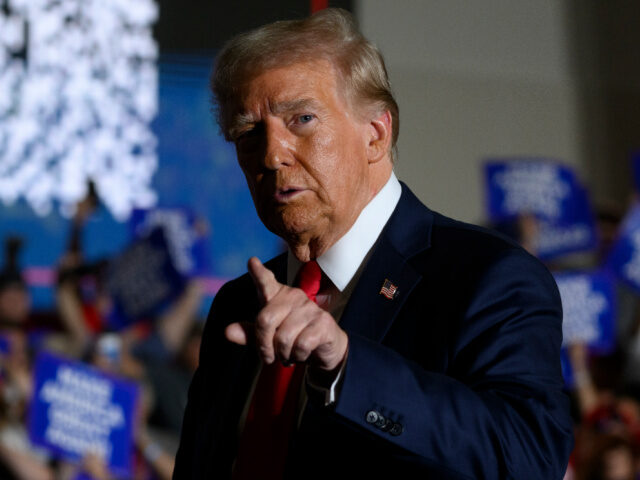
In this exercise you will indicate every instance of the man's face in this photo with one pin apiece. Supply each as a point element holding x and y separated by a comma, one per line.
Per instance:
<point>304,153</point>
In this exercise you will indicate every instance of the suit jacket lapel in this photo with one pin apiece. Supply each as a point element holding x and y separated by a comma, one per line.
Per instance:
<point>369,312</point>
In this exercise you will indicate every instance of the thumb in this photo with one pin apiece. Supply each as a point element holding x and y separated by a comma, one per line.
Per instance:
<point>240,332</point>
<point>264,279</point>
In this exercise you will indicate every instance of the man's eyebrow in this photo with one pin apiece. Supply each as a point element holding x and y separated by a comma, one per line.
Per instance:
<point>239,123</point>
<point>294,105</point>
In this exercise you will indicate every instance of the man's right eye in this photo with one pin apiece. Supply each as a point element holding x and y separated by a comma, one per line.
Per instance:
<point>249,138</point>
<point>251,131</point>
<point>244,133</point>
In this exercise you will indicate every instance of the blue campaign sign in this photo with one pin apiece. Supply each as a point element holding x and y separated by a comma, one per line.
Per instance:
<point>142,280</point>
<point>589,309</point>
<point>76,409</point>
<point>624,258</point>
<point>185,233</point>
<point>552,194</point>
<point>529,186</point>
<point>563,237</point>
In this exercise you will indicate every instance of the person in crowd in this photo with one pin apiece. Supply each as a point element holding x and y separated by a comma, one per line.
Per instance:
<point>19,459</point>
<point>607,425</point>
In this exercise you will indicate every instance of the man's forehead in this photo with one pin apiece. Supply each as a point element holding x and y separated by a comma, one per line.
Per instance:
<point>288,88</point>
<point>290,80</point>
<point>279,107</point>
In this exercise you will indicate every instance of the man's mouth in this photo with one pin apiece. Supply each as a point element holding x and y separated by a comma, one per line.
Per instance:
<point>283,195</point>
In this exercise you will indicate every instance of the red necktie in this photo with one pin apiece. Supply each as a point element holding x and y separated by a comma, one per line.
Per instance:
<point>264,443</point>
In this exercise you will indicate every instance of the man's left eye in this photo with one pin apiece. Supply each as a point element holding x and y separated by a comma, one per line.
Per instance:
<point>305,118</point>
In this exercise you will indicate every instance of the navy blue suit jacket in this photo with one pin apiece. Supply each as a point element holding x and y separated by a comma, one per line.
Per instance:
<point>465,360</point>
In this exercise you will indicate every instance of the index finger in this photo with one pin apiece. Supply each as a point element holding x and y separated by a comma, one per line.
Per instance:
<point>264,279</point>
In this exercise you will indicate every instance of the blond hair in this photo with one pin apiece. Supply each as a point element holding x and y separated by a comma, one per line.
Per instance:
<point>330,34</point>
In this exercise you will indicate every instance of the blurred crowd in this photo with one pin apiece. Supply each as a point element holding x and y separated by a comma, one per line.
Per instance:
<point>605,386</point>
<point>159,354</point>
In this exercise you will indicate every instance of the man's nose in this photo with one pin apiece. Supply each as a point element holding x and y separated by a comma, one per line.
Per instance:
<point>278,147</point>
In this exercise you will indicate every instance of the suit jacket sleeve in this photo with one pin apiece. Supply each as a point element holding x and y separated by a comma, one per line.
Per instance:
<point>497,410</point>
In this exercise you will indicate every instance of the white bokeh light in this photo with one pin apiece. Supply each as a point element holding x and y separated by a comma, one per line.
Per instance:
<point>78,90</point>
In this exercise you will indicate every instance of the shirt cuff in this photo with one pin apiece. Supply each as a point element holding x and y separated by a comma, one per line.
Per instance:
<point>330,394</point>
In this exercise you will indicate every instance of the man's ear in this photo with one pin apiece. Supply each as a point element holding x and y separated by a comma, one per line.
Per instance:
<point>379,141</point>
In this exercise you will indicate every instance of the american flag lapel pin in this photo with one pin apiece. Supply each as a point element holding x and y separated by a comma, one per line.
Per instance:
<point>389,290</point>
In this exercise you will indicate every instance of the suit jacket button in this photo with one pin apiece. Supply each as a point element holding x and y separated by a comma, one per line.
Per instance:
<point>380,423</point>
<point>396,429</point>
<point>372,417</point>
<point>388,425</point>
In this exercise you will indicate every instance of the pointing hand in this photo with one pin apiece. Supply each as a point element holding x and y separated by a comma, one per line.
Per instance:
<point>290,327</point>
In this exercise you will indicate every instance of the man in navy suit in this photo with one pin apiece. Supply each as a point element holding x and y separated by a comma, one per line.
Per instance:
<point>432,347</point>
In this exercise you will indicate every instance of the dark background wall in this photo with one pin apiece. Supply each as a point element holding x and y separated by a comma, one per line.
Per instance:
<point>206,24</point>
<point>606,63</point>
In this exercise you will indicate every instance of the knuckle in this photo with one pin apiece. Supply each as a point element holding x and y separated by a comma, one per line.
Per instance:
<point>305,346</point>
<point>326,325</point>
<point>282,353</point>
<point>325,320</point>
<point>297,295</point>
<point>264,320</point>
<point>299,355</point>
<point>282,339</point>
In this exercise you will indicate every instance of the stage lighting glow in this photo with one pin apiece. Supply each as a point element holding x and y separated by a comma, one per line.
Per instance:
<point>78,90</point>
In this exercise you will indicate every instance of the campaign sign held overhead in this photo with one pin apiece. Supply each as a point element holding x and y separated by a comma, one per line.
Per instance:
<point>531,186</point>
<point>186,236</point>
<point>76,410</point>
<point>548,191</point>
<point>624,258</point>
<point>559,238</point>
<point>142,280</point>
<point>589,309</point>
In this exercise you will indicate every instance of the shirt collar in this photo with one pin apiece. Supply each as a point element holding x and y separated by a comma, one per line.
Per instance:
<point>342,260</point>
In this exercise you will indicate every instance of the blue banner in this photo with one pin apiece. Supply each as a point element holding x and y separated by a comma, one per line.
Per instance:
<point>564,237</point>
<point>624,258</point>
<point>589,309</point>
<point>185,233</point>
<point>529,186</point>
<point>549,192</point>
<point>142,280</point>
<point>76,409</point>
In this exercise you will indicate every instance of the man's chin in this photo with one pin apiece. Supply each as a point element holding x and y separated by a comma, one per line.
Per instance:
<point>290,223</point>
<point>294,234</point>
<point>291,233</point>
